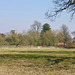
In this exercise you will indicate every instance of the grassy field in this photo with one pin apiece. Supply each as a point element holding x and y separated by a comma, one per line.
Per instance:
<point>34,61</point>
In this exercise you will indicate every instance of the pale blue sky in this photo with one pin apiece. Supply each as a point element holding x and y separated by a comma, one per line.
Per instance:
<point>20,14</point>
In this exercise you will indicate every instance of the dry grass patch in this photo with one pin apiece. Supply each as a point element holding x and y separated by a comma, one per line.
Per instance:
<point>34,61</point>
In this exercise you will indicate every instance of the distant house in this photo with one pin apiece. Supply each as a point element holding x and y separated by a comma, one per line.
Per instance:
<point>69,44</point>
<point>14,32</point>
<point>61,44</point>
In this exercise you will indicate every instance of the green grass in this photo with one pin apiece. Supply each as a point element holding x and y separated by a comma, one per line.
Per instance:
<point>34,61</point>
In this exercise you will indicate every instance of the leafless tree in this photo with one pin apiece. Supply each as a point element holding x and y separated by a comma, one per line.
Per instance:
<point>36,26</point>
<point>73,33</point>
<point>65,31</point>
<point>60,6</point>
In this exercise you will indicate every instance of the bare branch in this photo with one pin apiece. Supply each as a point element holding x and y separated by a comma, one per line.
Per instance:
<point>60,6</point>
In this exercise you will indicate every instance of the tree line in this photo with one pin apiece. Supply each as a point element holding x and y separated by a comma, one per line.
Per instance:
<point>37,36</point>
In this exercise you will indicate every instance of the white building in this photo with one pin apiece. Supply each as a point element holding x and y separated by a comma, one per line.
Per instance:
<point>14,32</point>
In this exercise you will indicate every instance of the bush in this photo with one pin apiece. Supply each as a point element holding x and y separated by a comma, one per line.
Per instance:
<point>70,45</point>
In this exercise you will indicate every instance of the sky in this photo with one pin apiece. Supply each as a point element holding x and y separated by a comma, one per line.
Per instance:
<point>21,14</point>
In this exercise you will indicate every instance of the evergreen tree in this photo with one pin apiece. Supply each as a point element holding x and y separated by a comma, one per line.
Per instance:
<point>46,27</point>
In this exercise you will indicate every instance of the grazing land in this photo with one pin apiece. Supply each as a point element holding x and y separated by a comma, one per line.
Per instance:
<point>37,61</point>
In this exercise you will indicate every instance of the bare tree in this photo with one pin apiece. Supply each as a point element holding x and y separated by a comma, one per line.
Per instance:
<point>36,26</point>
<point>60,6</point>
<point>65,31</point>
<point>73,33</point>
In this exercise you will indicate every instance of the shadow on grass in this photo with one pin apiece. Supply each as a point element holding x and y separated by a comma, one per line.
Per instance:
<point>49,59</point>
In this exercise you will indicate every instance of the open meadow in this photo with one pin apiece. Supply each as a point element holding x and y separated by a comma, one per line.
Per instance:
<point>37,61</point>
